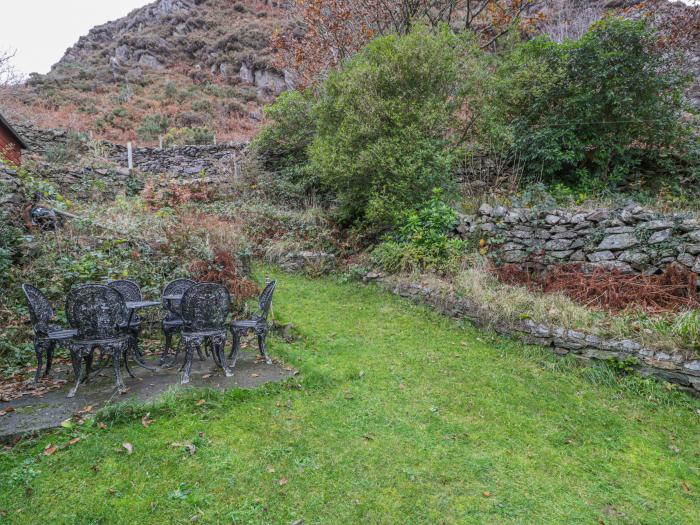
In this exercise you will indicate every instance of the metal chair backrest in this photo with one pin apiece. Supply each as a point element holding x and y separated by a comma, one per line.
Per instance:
<point>176,287</point>
<point>129,289</point>
<point>205,306</point>
<point>265,300</point>
<point>40,311</point>
<point>96,311</point>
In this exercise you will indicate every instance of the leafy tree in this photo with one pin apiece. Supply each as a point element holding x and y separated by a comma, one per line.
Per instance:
<point>595,108</point>
<point>384,124</point>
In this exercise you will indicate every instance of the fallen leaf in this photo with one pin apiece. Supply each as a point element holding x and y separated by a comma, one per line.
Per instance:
<point>401,386</point>
<point>50,449</point>
<point>674,448</point>
<point>86,410</point>
<point>270,470</point>
<point>297,522</point>
<point>206,376</point>
<point>487,494</point>
<point>600,521</point>
<point>685,486</point>
<point>6,411</point>
<point>73,441</point>
<point>67,423</point>
<point>146,421</point>
<point>201,402</point>
<point>254,375</point>
<point>129,448</point>
<point>283,481</point>
<point>101,425</point>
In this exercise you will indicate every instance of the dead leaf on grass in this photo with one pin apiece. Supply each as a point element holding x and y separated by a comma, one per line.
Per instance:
<point>50,449</point>
<point>129,448</point>
<point>487,494</point>
<point>685,486</point>
<point>189,447</point>
<point>146,421</point>
<point>101,426</point>
<point>283,481</point>
<point>201,402</point>
<point>6,411</point>
<point>73,441</point>
<point>254,375</point>
<point>206,376</point>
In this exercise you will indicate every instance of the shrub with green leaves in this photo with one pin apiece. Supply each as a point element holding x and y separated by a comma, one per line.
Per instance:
<point>153,126</point>
<point>423,241</point>
<point>188,136</point>
<point>384,122</point>
<point>593,110</point>
<point>282,144</point>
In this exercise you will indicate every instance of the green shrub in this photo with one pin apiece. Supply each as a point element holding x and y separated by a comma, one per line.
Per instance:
<point>188,136</point>
<point>383,124</point>
<point>593,110</point>
<point>282,144</point>
<point>152,126</point>
<point>423,241</point>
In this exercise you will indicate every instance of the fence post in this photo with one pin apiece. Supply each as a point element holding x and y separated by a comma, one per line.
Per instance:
<point>160,141</point>
<point>214,139</point>
<point>130,156</point>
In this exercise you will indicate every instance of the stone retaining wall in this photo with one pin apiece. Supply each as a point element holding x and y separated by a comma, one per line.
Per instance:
<point>630,239</point>
<point>679,367</point>
<point>182,161</point>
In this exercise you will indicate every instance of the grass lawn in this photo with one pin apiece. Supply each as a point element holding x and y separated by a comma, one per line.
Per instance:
<point>399,416</point>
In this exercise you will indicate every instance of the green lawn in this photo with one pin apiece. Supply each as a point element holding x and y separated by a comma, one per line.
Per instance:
<point>398,416</point>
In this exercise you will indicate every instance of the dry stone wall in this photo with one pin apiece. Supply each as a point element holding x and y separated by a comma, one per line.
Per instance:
<point>182,161</point>
<point>630,239</point>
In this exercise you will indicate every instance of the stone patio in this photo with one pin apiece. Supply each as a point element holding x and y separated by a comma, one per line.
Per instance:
<point>33,414</point>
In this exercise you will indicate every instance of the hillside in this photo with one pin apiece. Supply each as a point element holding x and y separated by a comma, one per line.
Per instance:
<point>192,70</point>
<point>184,63</point>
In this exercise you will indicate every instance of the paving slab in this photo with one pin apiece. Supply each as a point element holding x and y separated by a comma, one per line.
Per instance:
<point>34,414</point>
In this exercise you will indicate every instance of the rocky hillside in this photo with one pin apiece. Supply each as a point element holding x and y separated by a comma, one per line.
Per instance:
<point>198,70</point>
<point>171,64</point>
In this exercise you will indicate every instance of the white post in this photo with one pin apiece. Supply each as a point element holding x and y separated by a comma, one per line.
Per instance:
<point>160,141</point>
<point>130,155</point>
<point>214,139</point>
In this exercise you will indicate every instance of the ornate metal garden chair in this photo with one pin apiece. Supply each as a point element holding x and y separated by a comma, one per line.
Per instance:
<point>98,313</point>
<point>131,292</point>
<point>257,323</point>
<point>205,307</point>
<point>46,335</point>
<point>173,320</point>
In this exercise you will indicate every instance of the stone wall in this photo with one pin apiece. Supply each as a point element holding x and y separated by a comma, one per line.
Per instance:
<point>182,161</point>
<point>630,239</point>
<point>11,197</point>
<point>679,367</point>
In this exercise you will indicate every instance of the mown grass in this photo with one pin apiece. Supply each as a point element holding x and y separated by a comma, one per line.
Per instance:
<point>398,416</point>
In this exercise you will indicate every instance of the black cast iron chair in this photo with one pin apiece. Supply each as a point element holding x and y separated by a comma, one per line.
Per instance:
<point>131,293</point>
<point>258,323</point>
<point>205,307</point>
<point>98,313</point>
<point>46,335</point>
<point>173,319</point>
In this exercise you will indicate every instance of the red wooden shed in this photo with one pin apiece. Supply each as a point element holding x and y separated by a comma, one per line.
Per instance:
<point>11,144</point>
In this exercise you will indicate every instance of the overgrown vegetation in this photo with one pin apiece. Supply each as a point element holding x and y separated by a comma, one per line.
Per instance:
<point>596,112</point>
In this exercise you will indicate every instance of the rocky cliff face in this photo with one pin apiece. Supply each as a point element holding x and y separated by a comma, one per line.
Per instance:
<point>191,63</point>
<point>219,37</point>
